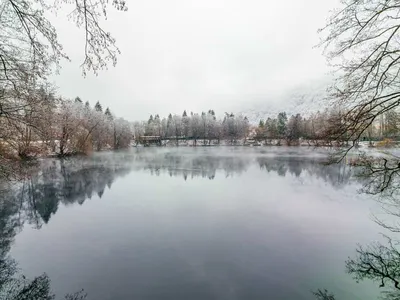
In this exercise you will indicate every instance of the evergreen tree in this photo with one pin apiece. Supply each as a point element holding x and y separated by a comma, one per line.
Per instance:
<point>87,105</point>
<point>78,100</point>
<point>261,124</point>
<point>282,119</point>
<point>98,107</point>
<point>185,124</point>
<point>169,125</point>
<point>108,113</point>
<point>293,130</point>
<point>212,113</point>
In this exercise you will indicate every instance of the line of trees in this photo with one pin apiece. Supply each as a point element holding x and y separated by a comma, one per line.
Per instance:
<point>46,124</point>
<point>321,128</point>
<point>361,39</point>
<point>194,126</point>
<point>30,52</point>
<point>34,201</point>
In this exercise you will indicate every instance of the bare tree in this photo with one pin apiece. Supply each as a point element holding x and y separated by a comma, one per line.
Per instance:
<point>362,40</point>
<point>29,43</point>
<point>323,295</point>
<point>30,51</point>
<point>378,263</point>
<point>380,175</point>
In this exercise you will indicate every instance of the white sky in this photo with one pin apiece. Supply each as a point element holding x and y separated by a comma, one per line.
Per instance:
<point>199,54</point>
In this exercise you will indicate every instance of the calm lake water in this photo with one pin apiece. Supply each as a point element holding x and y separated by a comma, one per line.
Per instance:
<point>204,223</point>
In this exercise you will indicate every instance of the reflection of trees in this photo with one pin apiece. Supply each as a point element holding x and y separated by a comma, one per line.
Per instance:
<point>9,227</point>
<point>337,175</point>
<point>380,175</point>
<point>14,286</point>
<point>206,166</point>
<point>62,181</point>
<point>379,262</point>
<point>323,295</point>
<point>193,166</point>
<point>34,200</point>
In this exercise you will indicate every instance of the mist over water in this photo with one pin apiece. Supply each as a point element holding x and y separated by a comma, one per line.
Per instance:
<point>192,223</point>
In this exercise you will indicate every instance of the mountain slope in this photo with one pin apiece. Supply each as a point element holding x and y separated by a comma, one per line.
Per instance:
<point>303,100</point>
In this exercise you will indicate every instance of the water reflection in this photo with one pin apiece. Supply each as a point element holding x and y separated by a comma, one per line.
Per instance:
<point>379,261</point>
<point>208,166</point>
<point>61,181</point>
<point>14,285</point>
<point>37,197</point>
<point>34,200</point>
<point>192,167</point>
<point>64,182</point>
<point>335,174</point>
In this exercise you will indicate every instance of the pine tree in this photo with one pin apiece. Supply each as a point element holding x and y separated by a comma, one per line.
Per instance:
<point>261,124</point>
<point>185,124</point>
<point>282,119</point>
<point>108,113</point>
<point>87,105</point>
<point>98,107</point>
<point>78,100</point>
<point>211,112</point>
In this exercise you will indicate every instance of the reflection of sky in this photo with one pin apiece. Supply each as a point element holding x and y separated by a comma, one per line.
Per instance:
<point>254,236</point>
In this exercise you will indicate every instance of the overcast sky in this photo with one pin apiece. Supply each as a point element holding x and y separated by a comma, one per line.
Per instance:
<point>199,54</point>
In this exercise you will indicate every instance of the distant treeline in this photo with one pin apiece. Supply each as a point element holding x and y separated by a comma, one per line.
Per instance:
<point>329,127</point>
<point>194,126</point>
<point>38,123</point>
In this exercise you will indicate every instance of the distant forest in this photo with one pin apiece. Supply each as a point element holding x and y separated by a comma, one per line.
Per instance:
<point>320,128</point>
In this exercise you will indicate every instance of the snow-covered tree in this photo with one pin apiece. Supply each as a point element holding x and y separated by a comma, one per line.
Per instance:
<point>185,124</point>
<point>70,129</point>
<point>98,107</point>
<point>281,124</point>
<point>272,128</point>
<point>293,130</point>
<point>122,133</point>
<point>195,127</point>
<point>138,129</point>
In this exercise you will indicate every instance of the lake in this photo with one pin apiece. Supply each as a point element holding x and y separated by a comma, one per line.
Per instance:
<point>191,223</point>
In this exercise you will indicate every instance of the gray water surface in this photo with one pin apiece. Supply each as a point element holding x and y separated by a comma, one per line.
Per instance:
<point>205,223</point>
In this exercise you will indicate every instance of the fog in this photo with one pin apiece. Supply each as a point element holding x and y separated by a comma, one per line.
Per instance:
<point>200,55</point>
<point>219,223</point>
